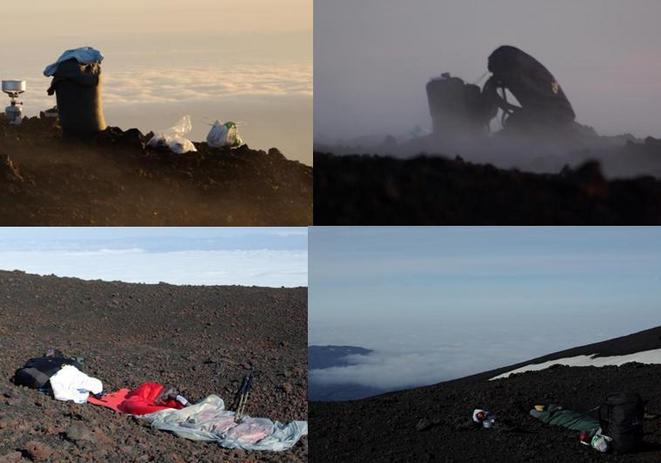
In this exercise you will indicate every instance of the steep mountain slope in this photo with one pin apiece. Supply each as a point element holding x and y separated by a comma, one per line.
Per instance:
<point>434,423</point>
<point>114,179</point>
<point>202,340</point>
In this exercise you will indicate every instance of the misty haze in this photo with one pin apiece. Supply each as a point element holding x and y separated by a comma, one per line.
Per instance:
<point>370,79</point>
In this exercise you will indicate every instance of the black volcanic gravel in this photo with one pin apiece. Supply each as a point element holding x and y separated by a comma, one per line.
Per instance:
<point>114,180</point>
<point>433,424</point>
<point>200,339</point>
<point>374,190</point>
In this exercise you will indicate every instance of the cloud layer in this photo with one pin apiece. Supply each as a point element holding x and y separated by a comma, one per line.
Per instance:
<point>438,303</point>
<point>198,256</point>
<point>406,355</point>
<point>247,268</point>
<point>188,85</point>
<point>390,371</point>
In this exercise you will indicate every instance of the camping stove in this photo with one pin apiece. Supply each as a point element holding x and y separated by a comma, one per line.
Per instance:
<point>14,111</point>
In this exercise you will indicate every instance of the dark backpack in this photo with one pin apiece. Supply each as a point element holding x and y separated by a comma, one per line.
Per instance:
<point>621,418</point>
<point>36,372</point>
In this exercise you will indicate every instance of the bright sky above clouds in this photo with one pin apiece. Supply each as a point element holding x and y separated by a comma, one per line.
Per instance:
<point>164,16</point>
<point>217,59</point>
<point>437,303</point>
<point>200,256</point>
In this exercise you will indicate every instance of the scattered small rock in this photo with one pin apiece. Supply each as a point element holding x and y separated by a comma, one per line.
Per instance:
<point>79,433</point>
<point>38,451</point>
<point>12,457</point>
<point>426,423</point>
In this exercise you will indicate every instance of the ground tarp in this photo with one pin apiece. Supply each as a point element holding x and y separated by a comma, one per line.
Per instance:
<point>208,420</point>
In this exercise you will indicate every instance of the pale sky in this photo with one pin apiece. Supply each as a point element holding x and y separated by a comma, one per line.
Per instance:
<point>133,17</point>
<point>258,256</point>
<point>437,303</point>
<point>374,57</point>
<point>220,59</point>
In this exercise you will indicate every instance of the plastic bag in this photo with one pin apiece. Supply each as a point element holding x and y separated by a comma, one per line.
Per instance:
<point>174,138</point>
<point>222,135</point>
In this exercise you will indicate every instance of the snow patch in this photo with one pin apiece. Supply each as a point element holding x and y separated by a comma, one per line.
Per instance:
<point>648,356</point>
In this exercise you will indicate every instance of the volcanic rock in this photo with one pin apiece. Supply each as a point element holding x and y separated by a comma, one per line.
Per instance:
<point>375,190</point>
<point>433,423</point>
<point>79,433</point>
<point>38,451</point>
<point>130,343</point>
<point>11,457</point>
<point>114,179</point>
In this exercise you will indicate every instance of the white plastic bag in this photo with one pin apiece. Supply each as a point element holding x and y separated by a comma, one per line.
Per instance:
<point>222,135</point>
<point>175,137</point>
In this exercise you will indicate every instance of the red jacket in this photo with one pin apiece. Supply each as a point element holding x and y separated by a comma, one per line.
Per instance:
<point>142,400</point>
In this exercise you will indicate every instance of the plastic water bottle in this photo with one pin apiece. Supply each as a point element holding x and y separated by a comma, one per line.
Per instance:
<point>489,421</point>
<point>599,442</point>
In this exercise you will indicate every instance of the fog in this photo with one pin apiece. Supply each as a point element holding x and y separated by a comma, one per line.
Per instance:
<point>374,57</point>
<point>250,62</point>
<point>441,303</point>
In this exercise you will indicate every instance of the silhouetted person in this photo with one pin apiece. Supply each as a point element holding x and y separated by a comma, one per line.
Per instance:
<point>543,103</point>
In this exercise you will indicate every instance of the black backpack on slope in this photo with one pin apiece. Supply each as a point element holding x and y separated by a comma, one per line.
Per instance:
<point>621,418</point>
<point>36,372</point>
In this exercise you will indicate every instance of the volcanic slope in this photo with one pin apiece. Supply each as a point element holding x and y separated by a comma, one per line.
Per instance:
<point>114,180</point>
<point>377,190</point>
<point>433,424</point>
<point>201,339</point>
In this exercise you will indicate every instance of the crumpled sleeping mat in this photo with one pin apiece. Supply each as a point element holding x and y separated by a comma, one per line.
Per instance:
<point>207,420</point>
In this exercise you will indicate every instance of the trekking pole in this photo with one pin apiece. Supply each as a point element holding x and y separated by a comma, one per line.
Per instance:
<point>238,397</point>
<point>242,407</point>
<point>243,395</point>
<point>240,413</point>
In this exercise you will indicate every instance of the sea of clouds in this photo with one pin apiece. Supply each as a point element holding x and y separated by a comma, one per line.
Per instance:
<point>183,258</point>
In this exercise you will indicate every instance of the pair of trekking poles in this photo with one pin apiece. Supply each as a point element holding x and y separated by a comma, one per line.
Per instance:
<point>242,396</point>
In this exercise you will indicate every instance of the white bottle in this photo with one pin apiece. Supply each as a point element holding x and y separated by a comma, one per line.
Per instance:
<point>600,442</point>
